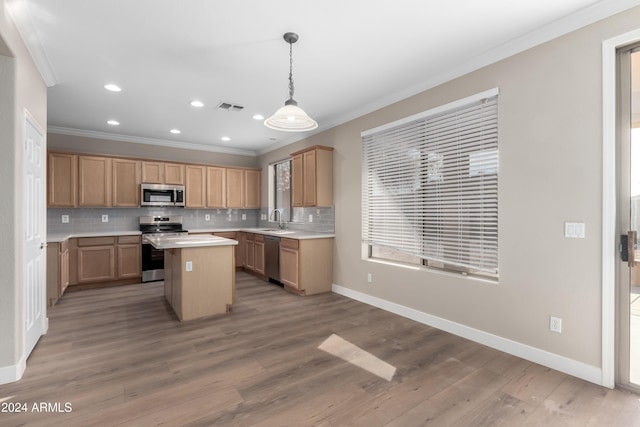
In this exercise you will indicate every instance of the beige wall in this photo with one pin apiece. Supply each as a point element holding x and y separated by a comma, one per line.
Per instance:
<point>21,89</point>
<point>550,142</point>
<point>143,151</point>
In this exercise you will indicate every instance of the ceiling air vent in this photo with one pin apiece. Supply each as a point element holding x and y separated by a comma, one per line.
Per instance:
<point>227,106</point>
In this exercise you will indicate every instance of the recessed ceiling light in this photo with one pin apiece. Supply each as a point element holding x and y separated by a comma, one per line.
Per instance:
<point>112,88</point>
<point>113,122</point>
<point>175,131</point>
<point>197,104</point>
<point>225,138</point>
<point>258,117</point>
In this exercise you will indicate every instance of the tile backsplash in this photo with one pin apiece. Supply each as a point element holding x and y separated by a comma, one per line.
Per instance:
<point>86,220</point>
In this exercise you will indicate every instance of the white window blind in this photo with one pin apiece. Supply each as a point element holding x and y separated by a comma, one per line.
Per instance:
<point>430,185</point>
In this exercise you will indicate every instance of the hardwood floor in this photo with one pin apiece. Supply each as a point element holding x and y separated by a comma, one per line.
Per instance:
<point>120,356</point>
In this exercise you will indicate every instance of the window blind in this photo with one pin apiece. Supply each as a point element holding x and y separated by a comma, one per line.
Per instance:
<point>430,184</point>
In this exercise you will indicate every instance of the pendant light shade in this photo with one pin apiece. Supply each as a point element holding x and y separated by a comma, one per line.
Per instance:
<point>291,118</point>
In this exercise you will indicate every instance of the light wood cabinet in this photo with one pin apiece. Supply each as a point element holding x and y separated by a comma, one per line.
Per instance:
<point>258,250</point>
<point>249,254</point>
<point>129,252</point>
<point>174,174</point>
<point>235,187</point>
<point>242,249</point>
<point>94,181</point>
<point>216,187</point>
<point>126,183</point>
<point>195,187</point>
<point>57,270</point>
<point>312,177</point>
<point>252,189</point>
<point>234,235</point>
<point>163,173</point>
<point>306,266</point>
<point>96,259</point>
<point>62,180</point>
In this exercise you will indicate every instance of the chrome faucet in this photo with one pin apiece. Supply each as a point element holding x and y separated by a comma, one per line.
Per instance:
<point>281,223</point>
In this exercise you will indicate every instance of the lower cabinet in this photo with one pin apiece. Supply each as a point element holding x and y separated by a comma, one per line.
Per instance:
<point>57,270</point>
<point>105,259</point>
<point>249,253</point>
<point>237,248</point>
<point>258,254</point>
<point>306,266</point>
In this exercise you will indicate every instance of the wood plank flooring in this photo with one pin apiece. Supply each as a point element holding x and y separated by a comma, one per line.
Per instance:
<point>119,356</point>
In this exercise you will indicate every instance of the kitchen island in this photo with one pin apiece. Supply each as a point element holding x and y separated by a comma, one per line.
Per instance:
<point>199,274</point>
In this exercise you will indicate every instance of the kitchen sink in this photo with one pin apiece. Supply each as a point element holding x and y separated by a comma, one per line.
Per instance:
<point>276,231</point>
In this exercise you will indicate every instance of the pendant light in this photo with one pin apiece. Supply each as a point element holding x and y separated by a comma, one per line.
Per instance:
<point>291,118</point>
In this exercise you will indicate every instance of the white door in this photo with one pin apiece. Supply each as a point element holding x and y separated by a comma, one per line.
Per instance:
<point>34,234</point>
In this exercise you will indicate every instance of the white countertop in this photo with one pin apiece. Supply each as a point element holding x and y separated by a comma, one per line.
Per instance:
<point>179,242</point>
<point>289,234</point>
<point>60,237</point>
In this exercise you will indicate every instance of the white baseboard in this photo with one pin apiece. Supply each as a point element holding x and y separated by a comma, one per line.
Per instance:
<point>12,373</point>
<point>554,361</point>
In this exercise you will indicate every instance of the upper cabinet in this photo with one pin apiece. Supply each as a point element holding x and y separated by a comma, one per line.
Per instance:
<point>195,188</point>
<point>94,181</point>
<point>312,177</point>
<point>163,173</point>
<point>243,188</point>
<point>97,181</point>
<point>126,183</point>
<point>62,185</point>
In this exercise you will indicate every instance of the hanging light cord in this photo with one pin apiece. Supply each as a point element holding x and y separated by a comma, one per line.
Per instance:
<point>290,70</point>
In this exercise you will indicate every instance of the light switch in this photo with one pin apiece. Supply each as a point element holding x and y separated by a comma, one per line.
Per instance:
<point>574,230</point>
<point>244,217</point>
<point>188,266</point>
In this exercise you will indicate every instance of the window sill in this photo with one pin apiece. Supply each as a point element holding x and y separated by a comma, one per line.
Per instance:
<point>432,270</point>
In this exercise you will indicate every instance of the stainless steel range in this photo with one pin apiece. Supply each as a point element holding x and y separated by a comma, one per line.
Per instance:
<point>152,258</point>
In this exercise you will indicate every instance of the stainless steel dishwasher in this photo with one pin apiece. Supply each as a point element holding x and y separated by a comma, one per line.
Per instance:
<point>272,257</point>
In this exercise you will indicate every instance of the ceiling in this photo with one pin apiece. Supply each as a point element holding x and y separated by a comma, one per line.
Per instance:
<point>352,57</point>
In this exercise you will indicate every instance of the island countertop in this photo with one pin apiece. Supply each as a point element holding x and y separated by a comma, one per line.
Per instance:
<point>188,241</point>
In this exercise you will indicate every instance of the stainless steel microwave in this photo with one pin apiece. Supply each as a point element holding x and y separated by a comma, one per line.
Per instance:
<point>161,195</point>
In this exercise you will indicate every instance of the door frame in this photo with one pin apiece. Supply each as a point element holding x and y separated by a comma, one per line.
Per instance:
<point>609,201</point>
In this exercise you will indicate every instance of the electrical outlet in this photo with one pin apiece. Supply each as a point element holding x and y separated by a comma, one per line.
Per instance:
<point>244,217</point>
<point>310,217</point>
<point>555,324</point>
<point>105,218</point>
<point>207,217</point>
<point>369,278</point>
<point>65,219</point>
<point>188,266</point>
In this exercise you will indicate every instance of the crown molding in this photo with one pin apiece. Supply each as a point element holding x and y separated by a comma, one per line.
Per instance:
<point>19,11</point>
<point>148,141</point>
<point>553,30</point>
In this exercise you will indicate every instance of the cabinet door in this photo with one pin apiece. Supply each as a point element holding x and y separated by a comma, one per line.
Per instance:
<point>153,172</point>
<point>129,261</point>
<point>289,266</point>
<point>250,256</point>
<point>259,256</point>
<point>195,186</point>
<point>216,187</point>
<point>174,173</point>
<point>235,188</point>
<point>126,183</point>
<point>252,189</point>
<point>96,263</point>
<point>64,271</point>
<point>309,179</point>
<point>94,181</point>
<point>62,182</point>
<point>296,181</point>
<point>242,249</point>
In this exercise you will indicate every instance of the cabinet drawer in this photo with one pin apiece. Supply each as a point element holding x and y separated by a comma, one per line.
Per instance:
<point>128,239</point>
<point>289,243</point>
<point>259,237</point>
<point>96,241</point>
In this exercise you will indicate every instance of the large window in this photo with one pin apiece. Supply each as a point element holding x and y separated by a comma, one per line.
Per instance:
<point>281,189</point>
<point>430,187</point>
